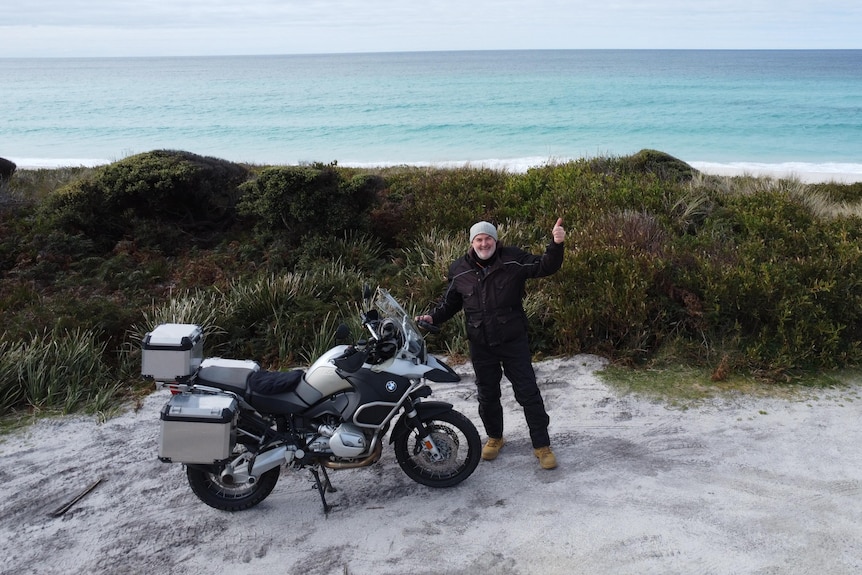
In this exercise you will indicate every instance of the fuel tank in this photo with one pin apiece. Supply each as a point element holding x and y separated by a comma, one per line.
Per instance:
<point>321,375</point>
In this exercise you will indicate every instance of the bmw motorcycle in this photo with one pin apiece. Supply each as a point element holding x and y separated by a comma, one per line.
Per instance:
<point>235,426</point>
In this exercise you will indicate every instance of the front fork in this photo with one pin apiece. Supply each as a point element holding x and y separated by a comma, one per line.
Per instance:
<point>428,444</point>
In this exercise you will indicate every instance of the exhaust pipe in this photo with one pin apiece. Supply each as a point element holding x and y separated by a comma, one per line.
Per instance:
<point>375,455</point>
<point>228,478</point>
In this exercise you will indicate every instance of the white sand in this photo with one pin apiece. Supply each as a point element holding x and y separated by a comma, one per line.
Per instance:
<point>805,173</point>
<point>744,485</point>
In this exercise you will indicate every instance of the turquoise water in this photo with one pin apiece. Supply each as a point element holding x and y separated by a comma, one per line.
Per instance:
<point>515,108</point>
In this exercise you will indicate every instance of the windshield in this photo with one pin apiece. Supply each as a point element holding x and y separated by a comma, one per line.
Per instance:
<point>388,307</point>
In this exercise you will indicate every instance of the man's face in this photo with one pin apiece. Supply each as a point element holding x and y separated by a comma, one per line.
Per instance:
<point>484,246</point>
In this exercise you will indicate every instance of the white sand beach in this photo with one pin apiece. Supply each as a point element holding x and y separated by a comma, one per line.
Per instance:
<point>738,485</point>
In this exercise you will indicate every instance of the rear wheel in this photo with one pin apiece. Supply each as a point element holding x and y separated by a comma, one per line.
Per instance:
<point>210,488</point>
<point>456,439</point>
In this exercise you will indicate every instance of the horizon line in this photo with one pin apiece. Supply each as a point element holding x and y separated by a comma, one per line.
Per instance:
<point>430,51</point>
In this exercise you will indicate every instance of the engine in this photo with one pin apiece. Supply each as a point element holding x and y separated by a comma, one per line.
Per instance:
<point>346,440</point>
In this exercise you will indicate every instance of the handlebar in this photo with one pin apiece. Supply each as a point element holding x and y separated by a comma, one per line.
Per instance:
<point>351,360</point>
<point>429,327</point>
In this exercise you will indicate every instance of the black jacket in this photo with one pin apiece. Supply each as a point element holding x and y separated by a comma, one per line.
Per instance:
<point>491,293</point>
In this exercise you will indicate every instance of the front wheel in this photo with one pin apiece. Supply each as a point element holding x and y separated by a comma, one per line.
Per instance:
<point>210,488</point>
<point>457,441</point>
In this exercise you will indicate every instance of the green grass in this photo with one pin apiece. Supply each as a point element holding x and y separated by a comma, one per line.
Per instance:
<point>684,386</point>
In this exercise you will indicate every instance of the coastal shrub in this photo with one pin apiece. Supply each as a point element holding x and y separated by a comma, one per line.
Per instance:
<point>666,167</point>
<point>110,318</point>
<point>739,273</point>
<point>423,199</point>
<point>579,191</point>
<point>51,257</point>
<point>784,315</point>
<point>162,199</point>
<point>609,297</point>
<point>7,168</point>
<point>13,230</point>
<point>838,192</point>
<point>299,201</point>
<point>773,278</point>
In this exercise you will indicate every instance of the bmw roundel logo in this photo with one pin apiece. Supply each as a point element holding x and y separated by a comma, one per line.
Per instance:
<point>391,386</point>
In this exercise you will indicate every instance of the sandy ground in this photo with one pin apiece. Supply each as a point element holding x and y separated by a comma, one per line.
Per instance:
<point>737,485</point>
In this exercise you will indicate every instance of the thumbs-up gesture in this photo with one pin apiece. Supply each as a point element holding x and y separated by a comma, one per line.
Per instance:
<point>559,232</point>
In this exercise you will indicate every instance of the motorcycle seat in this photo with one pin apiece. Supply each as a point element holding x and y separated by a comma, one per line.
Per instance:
<point>280,392</point>
<point>274,382</point>
<point>228,374</point>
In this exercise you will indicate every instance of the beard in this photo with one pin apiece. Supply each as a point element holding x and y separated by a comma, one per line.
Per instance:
<point>486,254</point>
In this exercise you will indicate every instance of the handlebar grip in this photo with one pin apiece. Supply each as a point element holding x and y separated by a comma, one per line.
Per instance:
<point>430,327</point>
<point>351,360</point>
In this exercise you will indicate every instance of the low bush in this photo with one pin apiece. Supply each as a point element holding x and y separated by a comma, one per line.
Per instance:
<point>300,201</point>
<point>163,200</point>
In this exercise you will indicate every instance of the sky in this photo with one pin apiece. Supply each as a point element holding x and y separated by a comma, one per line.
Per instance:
<point>85,28</point>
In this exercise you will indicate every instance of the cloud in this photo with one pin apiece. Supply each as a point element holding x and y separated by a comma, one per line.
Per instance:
<point>188,27</point>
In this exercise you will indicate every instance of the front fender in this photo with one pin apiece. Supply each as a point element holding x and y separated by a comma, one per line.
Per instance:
<point>426,410</point>
<point>440,372</point>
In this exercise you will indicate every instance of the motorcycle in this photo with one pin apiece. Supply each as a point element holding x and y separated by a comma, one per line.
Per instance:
<point>234,426</point>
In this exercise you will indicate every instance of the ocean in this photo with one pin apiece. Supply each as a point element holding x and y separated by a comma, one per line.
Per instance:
<point>799,110</point>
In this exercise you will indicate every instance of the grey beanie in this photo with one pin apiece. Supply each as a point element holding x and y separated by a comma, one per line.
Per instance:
<point>483,228</point>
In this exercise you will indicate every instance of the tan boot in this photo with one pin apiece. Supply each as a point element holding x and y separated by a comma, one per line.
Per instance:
<point>547,460</point>
<point>491,449</point>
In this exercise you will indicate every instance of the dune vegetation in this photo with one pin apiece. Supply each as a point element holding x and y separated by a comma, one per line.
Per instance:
<point>664,265</point>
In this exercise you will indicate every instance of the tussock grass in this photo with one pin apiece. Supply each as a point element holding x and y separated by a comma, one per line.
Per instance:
<point>31,186</point>
<point>57,371</point>
<point>321,341</point>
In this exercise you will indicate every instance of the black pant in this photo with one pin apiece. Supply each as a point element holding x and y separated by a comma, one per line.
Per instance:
<point>512,358</point>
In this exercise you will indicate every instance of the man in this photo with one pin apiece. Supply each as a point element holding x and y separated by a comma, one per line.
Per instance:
<point>488,284</point>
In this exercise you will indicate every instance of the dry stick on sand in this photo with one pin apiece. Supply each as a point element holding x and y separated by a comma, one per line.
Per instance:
<point>64,508</point>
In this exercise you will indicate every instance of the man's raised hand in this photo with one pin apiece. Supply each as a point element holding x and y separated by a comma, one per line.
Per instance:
<point>559,232</point>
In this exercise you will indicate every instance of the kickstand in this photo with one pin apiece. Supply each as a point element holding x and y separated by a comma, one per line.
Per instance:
<point>323,487</point>
<point>326,483</point>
